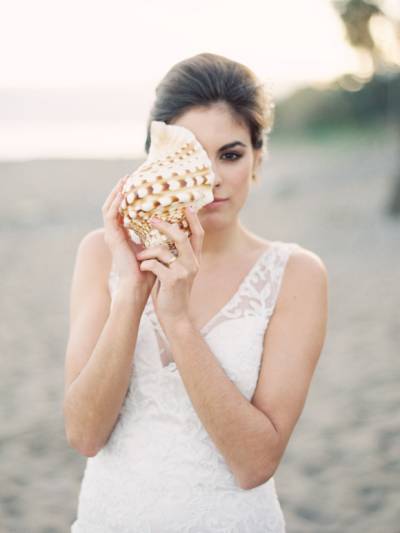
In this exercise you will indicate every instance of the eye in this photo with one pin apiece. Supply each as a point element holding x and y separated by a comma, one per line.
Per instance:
<point>238,156</point>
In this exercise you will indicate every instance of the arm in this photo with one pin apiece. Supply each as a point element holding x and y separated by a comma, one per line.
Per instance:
<point>100,347</point>
<point>236,427</point>
<point>292,347</point>
<point>252,436</point>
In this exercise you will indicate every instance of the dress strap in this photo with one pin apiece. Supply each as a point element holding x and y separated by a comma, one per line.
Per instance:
<point>272,274</point>
<point>257,294</point>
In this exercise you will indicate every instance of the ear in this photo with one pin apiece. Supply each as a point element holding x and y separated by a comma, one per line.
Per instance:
<point>257,159</point>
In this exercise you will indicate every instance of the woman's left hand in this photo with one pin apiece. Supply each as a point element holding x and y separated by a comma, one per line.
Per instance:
<point>174,281</point>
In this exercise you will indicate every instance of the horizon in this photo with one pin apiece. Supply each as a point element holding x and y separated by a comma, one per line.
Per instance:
<point>73,84</point>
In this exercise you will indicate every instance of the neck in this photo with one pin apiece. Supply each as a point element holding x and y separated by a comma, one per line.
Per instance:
<point>223,241</point>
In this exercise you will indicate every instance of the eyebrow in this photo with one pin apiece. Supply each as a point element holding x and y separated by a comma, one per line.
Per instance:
<point>231,145</point>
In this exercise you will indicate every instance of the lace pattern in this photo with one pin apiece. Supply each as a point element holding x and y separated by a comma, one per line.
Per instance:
<point>160,471</point>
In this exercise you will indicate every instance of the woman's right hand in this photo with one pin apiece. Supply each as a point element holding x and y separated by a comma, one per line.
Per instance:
<point>122,248</point>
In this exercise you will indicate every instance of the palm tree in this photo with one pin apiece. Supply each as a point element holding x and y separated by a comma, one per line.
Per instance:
<point>356,16</point>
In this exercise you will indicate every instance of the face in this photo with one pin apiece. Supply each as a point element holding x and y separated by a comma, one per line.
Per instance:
<point>233,166</point>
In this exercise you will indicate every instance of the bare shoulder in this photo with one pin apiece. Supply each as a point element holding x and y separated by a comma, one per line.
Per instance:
<point>94,252</point>
<point>95,239</point>
<point>305,273</point>
<point>303,258</point>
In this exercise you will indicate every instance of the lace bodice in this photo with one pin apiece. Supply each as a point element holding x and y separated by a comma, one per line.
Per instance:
<point>160,472</point>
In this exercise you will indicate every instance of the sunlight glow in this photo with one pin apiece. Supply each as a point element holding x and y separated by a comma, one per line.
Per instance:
<point>72,43</point>
<point>78,77</point>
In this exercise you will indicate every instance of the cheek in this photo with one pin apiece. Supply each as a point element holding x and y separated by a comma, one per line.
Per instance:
<point>241,179</point>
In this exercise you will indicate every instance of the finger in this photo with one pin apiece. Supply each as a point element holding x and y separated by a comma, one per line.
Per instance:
<point>114,207</point>
<point>110,198</point>
<point>161,253</point>
<point>113,218</point>
<point>158,269</point>
<point>196,230</point>
<point>180,238</point>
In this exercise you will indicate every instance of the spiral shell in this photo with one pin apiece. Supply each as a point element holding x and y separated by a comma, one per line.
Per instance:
<point>177,173</point>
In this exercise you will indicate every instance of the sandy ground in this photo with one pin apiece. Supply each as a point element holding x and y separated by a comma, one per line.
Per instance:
<point>341,470</point>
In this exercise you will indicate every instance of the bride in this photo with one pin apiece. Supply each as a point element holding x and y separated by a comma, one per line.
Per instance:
<point>185,376</point>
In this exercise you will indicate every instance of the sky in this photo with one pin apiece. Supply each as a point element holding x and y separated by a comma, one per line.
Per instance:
<point>78,44</point>
<point>56,43</point>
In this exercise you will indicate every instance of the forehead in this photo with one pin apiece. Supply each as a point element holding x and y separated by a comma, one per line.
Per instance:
<point>213,126</point>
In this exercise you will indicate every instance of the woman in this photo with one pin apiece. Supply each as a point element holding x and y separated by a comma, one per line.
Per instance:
<point>184,383</point>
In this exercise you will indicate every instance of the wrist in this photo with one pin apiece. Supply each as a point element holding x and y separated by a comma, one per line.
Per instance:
<point>128,290</point>
<point>180,325</point>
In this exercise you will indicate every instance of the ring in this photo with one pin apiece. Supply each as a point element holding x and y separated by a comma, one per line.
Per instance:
<point>173,258</point>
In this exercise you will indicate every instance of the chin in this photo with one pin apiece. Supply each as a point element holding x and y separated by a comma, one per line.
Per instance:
<point>213,220</point>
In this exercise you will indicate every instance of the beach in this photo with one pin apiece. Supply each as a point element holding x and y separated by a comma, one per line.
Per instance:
<point>341,469</point>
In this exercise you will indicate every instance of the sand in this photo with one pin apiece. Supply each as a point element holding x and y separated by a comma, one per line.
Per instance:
<point>341,469</point>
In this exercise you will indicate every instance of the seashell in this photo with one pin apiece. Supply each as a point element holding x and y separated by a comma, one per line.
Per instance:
<point>177,173</point>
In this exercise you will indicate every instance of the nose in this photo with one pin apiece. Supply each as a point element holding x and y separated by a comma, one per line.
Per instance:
<point>217,178</point>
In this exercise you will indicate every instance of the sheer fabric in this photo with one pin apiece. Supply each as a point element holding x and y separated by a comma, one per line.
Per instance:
<point>160,472</point>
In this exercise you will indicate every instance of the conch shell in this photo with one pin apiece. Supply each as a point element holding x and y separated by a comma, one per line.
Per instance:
<point>177,173</point>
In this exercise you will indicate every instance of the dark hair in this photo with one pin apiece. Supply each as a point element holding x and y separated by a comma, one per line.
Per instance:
<point>207,78</point>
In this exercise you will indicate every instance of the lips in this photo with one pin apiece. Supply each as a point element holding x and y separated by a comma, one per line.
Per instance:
<point>215,202</point>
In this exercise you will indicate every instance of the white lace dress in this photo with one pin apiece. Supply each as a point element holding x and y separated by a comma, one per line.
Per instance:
<point>160,472</point>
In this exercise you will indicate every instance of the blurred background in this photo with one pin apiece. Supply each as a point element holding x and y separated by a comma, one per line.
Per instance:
<point>77,80</point>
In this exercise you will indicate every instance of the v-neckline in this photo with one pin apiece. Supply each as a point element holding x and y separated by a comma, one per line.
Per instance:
<point>204,329</point>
